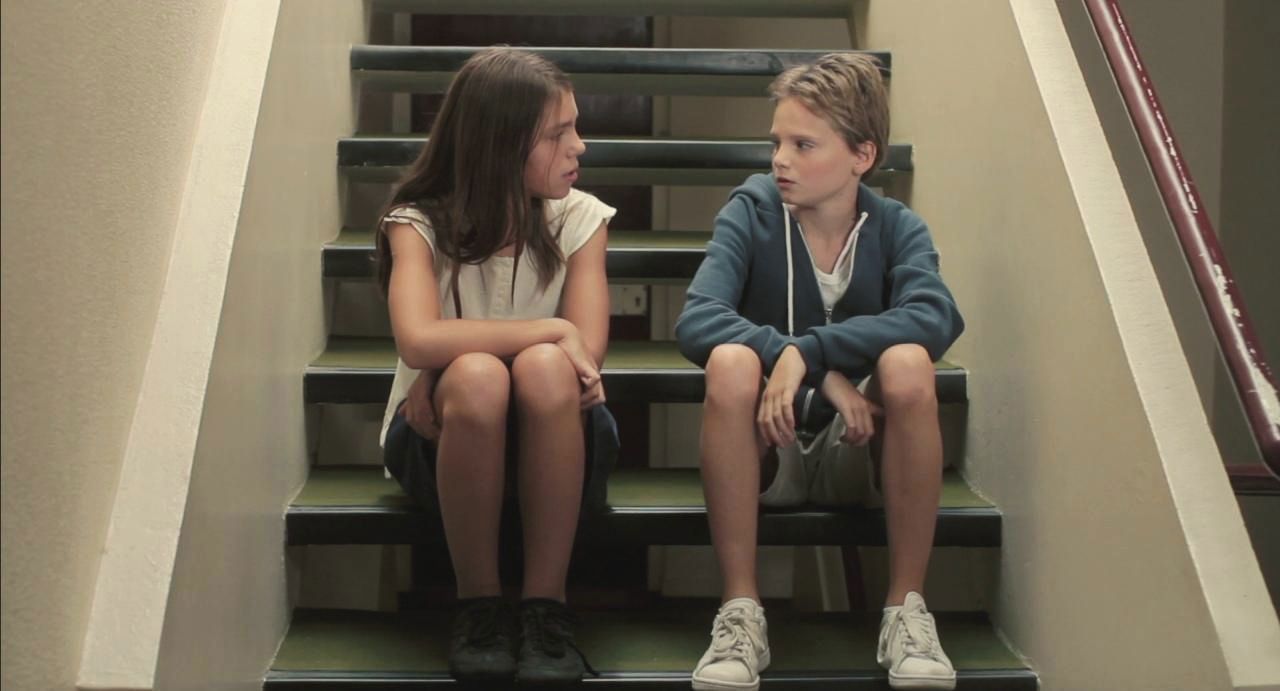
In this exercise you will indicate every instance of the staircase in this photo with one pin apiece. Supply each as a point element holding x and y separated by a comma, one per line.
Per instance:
<point>642,640</point>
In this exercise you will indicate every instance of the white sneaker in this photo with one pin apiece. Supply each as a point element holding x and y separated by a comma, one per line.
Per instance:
<point>910,650</point>
<point>739,649</point>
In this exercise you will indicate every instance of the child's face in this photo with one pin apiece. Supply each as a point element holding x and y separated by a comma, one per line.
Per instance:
<point>811,161</point>
<point>552,166</point>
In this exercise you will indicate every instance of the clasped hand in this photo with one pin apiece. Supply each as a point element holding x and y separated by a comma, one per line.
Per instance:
<point>775,418</point>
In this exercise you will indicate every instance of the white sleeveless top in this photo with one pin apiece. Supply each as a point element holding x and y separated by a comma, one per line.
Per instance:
<point>485,289</point>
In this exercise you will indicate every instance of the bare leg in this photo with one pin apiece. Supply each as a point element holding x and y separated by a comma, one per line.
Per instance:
<point>730,450</point>
<point>910,464</point>
<point>551,465</point>
<point>472,397</point>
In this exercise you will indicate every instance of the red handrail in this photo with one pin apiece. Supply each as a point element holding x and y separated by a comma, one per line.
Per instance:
<point>1253,378</point>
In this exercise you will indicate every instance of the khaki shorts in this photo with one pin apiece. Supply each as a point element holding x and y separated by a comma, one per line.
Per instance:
<point>825,472</point>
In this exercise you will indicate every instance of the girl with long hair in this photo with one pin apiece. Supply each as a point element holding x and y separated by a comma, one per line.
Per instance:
<point>494,270</point>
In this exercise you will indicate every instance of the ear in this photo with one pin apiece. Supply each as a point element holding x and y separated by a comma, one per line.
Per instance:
<point>864,155</point>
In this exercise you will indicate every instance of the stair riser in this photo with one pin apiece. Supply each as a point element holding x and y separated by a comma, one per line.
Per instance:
<point>584,84</point>
<point>625,154</point>
<point>350,434</point>
<point>622,266</point>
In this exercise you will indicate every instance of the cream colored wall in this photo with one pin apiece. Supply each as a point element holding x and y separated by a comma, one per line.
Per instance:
<point>100,110</point>
<point>229,606</point>
<point>1247,173</point>
<point>1124,564</point>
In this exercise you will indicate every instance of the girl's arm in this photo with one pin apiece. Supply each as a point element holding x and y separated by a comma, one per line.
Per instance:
<point>414,303</point>
<point>585,300</point>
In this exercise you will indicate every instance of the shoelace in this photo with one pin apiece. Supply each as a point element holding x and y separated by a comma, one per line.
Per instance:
<point>481,624</point>
<point>731,637</point>
<point>921,635</point>
<point>550,632</point>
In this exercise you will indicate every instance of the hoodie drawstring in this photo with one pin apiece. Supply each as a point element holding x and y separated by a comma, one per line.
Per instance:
<point>791,321</point>
<point>786,215</point>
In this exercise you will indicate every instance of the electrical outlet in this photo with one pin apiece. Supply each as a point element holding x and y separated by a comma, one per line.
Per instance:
<point>628,300</point>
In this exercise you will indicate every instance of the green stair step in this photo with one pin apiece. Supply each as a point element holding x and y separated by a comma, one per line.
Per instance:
<point>615,161</point>
<point>359,505</point>
<point>625,71</point>
<point>653,648</point>
<point>360,370</point>
<point>635,256</point>
<point>834,9</point>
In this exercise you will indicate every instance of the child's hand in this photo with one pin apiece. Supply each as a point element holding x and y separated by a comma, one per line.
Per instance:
<point>853,407</point>
<point>419,411</point>
<point>583,363</point>
<point>775,419</point>
<point>592,395</point>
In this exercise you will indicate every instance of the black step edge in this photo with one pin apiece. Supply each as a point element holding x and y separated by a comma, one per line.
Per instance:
<point>373,385</point>
<point>380,525</point>
<point>691,61</point>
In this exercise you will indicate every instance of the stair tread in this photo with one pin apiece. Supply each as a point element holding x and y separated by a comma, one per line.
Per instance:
<point>359,353</point>
<point>365,486</point>
<point>717,62</point>
<point>662,640</point>
<point>360,370</point>
<point>358,505</point>
<point>835,9</point>
<point>634,256</point>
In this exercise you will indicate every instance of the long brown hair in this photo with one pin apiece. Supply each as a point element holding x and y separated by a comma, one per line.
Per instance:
<point>469,178</point>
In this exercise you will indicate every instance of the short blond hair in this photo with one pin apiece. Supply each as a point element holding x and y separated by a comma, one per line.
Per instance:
<point>847,91</point>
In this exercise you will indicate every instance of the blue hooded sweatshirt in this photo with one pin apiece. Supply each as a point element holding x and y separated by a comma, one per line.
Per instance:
<point>739,294</point>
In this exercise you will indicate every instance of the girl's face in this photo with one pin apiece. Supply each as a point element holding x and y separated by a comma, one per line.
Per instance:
<point>811,161</point>
<point>552,166</point>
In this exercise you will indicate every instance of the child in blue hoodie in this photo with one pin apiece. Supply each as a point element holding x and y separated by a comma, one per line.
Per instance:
<point>811,284</point>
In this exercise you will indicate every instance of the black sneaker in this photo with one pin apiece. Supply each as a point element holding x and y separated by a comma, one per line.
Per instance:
<point>483,643</point>
<point>548,654</point>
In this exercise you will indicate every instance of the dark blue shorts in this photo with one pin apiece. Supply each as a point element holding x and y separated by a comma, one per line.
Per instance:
<point>411,459</point>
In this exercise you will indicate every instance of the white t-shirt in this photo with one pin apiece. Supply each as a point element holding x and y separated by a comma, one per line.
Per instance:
<point>485,288</point>
<point>833,285</point>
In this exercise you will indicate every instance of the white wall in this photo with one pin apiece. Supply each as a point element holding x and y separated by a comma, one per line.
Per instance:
<point>228,606</point>
<point>1125,564</point>
<point>100,109</point>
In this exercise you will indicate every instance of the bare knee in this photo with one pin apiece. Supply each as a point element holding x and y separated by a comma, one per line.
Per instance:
<point>474,390</point>
<point>545,381</point>
<point>906,378</point>
<point>733,377</point>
